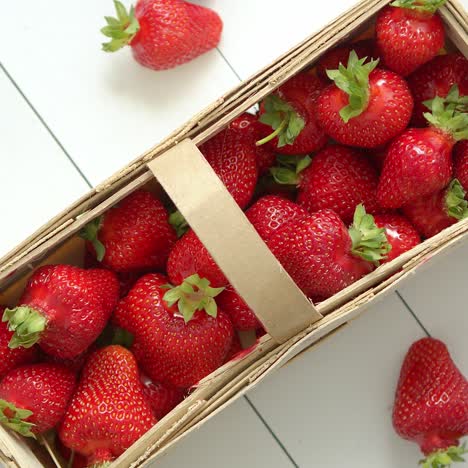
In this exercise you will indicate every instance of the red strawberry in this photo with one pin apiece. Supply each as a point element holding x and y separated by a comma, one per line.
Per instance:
<point>134,235</point>
<point>400,233</point>
<point>163,33</point>
<point>320,254</point>
<point>435,78</point>
<point>337,178</point>
<point>75,364</point>
<point>233,158</point>
<point>460,162</point>
<point>250,128</point>
<point>431,403</point>
<point>162,398</point>
<point>366,106</point>
<point>189,256</point>
<point>291,113</point>
<point>332,59</point>
<point>270,213</point>
<point>241,315</point>
<point>235,348</point>
<point>11,358</point>
<point>64,308</point>
<point>33,398</point>
<point>175,345</point>
<point>419,161</point>
<point>435,212</point>
<point>108,412</point>
<point>409,34</point>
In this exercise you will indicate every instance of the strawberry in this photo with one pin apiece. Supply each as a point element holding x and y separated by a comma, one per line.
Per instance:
<point>409,33</point>
<point>400,233</point>
<point>108,411</point>
<point>11,358</point>
<point>235,348</point>
<point>366,106</point>
<point>322,256</point>
<point>435,212</point>
<point>337,178</point>
<point>179,345</point>
<point>134,235</point>
<point>460,162</point>
<point>162,398</point>
<point>431,403</point>
<point>163,33</point>
<point>233,157</point>
<point>291,113</point>
<point>75,364</point>
<point>435,78</point>
<point>419,161</point>
<point>63,308</point>
<point>271,212</point>
<point>332,59</point>
<point>33,398</point>
<point>189,256</point>
<point>241,315</point>
<point>250,128</point>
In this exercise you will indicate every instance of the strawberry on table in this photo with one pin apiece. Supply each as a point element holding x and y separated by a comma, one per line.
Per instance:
<point>134,235</point>
<point>33,398</point>
<point>323,257</point>
<point>431,403</point>
<point>435,212</point>
<point>435,78</point>
<point>162,398</point>
<point>460,162</point>
<point>291,111</point>
<point>409,33</point>
<point>401,234</point>
<point>108,411</point>
<point>11,358</point>
<point>163,33</point>
<point>366,106</point>
<point>338,178</point>
<point>180,336</point>
<point>63,308</point>
<point>419,161</point>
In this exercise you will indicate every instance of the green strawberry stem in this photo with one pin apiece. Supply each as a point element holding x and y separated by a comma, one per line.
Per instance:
<point>90,233</point>
<point>27,325</point>
<point>428,6</point>
<point>444,458</point>
<point>283,119</point>
<point>178,222</point>
<point>288,169</point>
<point>369,241</point>
<point>455,203</point>
<point>193,294</point>
<point>120,30</point>
<point>15,418</point>
<point>354,81</point>
<point>450,114</point>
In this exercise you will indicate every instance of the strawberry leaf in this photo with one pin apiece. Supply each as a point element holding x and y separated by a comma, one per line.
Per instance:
<point>354,81</point>
<point>27,325</point>
<point>288,169</point>
<point>178,222</point>
<point>15,418</point>
<point>444,458</point>
<point>90,233</point>
<point>455,203</point>
<point>430,6</point>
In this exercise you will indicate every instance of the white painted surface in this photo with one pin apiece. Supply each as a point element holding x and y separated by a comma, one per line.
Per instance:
<point>330,407</point>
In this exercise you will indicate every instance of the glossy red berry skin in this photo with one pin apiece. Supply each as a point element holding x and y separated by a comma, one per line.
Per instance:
<point>460,162</point>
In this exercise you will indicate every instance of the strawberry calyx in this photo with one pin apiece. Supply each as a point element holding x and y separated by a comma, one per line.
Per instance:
<point>27,325</point>
<point>101,458</point>
<point>354,81</point>
<point>455,203</point>
<point>369,241</point>
<point>178,222</point>
<point>193,294</point>
<point>15,418</point>
<point>90,233</point>
<point>444,458</point>
<point>427,6</point>
<point>286,123</point>
<point>450,114</point>
<point>120,30</point>
<point>288,169</point>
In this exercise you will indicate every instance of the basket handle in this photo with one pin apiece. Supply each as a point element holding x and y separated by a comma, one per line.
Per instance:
<point>232,241</point>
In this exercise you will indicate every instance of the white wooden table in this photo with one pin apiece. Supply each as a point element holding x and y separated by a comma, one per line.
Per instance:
<point>72,115</point>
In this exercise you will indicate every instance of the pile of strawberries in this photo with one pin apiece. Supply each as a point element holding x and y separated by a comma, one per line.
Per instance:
<point>332,179</point>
